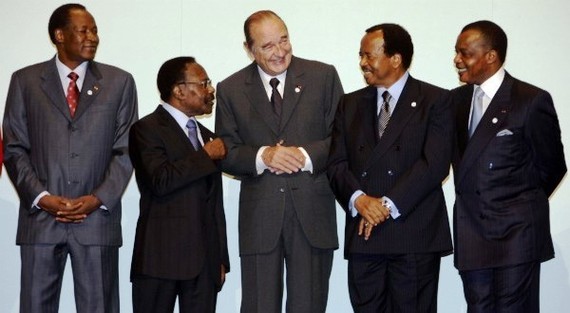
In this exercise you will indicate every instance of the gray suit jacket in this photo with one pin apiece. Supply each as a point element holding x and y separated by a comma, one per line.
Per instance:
<point>245,121</point>
<point>47,150</point>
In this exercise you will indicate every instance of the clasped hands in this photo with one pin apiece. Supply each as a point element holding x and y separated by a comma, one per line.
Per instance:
<point>69,210</point>
<point>372,212</point>
<point>283,159</point>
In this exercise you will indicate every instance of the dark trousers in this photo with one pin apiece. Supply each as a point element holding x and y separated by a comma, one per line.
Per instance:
<point>156,295</point>
<point>395,283</point>
<point>512,289</point>
<point>307,274</point>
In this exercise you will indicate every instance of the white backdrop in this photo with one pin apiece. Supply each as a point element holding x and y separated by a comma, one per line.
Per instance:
<point>139,36</point>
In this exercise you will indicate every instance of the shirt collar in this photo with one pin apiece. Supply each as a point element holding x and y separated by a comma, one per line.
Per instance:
<point>492,84</point>
<point>63,71</point>
<point>395,90</point>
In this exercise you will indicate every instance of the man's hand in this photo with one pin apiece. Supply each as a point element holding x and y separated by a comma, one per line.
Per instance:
<point>216,149</point>
<point>76,210</point>
<point>54,204</point>
<point>371,209</point>
<point>282,159</point>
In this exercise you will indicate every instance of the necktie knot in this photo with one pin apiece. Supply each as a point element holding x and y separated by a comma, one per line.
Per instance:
<point>73,76</point>
<point>274,82</point>
<point>193,134</point>
<point>386,104</point>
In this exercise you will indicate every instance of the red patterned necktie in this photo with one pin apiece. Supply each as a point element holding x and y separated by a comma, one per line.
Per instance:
<point>72,93</point>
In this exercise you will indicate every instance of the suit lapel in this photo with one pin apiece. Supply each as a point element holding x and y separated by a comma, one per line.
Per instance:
<point>90,90</point>
<point>367,119</point>
<point>257,96</point>
<point>173,130</point>
<point>51,85</point>
<point>490,123</point>
<point>408,104</point>
<point>294,83</point>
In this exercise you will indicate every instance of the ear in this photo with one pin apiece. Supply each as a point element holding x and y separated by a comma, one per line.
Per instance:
<point>59,35</point>
<point>396,60</point>
<point>248,51</point>
<point>492,56</point>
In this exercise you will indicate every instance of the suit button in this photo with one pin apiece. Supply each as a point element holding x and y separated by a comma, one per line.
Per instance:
<point>364,174</point>
<point>477,192</point>
<point>482,216</point>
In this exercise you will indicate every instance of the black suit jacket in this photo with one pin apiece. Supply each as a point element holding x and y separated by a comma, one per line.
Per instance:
<point>407,165</point>
<point>181,224</point>
<point>504,176</point>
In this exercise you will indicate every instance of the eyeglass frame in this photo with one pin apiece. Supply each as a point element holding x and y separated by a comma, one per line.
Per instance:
<point>205,83</point>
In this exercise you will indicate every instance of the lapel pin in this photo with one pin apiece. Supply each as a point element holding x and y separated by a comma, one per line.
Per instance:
<point>89,92</point>
<point>414,104</point>
<point>495,120</point>
<point>298,88</point>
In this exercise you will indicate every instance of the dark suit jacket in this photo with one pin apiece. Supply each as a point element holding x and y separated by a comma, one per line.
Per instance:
<point>407,165</point>
<point>47,150</point>
<point>245,121</point>
<point>504,176</point>
<point>181,227</point>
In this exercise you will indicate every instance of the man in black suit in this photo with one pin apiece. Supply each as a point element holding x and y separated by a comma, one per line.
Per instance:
<point>390,152</point>
<point>180,243</point>
<point>505,167</point>
<point>278,140</point>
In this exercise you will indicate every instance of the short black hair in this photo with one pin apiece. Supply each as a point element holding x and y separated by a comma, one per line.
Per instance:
<point>397,40</point>
<point>493,35</point>
<point>170,73</point>
<point>60,18</point>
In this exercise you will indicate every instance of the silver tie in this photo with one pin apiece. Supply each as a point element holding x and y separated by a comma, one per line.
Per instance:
<point>477,110</point>
<point>384,115</point>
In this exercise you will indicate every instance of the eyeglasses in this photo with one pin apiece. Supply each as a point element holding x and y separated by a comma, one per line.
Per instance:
<point>205,83</point>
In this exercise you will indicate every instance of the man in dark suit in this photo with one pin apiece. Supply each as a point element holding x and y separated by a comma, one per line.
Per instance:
<point>390,152</point>
<point>505,168</point>
<point>180,243</point>
<point>66,133</point>
<point>278,140</point>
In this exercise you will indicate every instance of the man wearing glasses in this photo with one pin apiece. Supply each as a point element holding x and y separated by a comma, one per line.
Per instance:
<point>180,243</point>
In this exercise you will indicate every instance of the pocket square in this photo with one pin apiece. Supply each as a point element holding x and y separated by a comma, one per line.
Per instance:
<point>504,132</point>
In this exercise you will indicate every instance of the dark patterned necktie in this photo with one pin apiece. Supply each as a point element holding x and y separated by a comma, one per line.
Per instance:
<point>276,99</point>
<point>384,115</point>
<point>72,93</point>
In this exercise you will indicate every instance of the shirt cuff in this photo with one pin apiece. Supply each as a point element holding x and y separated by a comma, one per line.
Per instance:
<point>260,166</point>
<point>351,207</point>
<point>37,199</point>
<point>394,212</point>
<point>308,162</point>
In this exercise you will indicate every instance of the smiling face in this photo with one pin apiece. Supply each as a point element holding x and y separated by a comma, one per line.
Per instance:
<point>378,68</point>
<point>270,45</point>
<point>474,59</point>
<point>78,40</point>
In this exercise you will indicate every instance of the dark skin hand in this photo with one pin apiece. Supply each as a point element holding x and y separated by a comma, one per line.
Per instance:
<point>68,210</point>
<point>373,212</point>
<point>215,149</point>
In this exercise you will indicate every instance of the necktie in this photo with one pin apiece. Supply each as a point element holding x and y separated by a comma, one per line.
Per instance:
<point>384,115</point>
<point>477,110</point>
<point>276,99</point>
<point>72,93</point>
<point>192,134</point>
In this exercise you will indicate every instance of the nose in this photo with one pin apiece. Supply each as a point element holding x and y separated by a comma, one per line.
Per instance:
<point>457,58</point>
<point>362,61</point>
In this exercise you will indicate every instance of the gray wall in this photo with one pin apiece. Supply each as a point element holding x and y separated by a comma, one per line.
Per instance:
<point>139,35</point>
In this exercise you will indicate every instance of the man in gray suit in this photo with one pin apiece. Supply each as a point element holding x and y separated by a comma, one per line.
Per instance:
<point>66,153</point>
<point>278,139</point>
